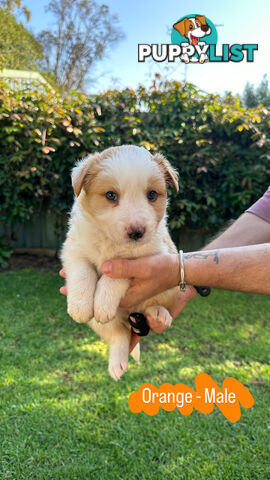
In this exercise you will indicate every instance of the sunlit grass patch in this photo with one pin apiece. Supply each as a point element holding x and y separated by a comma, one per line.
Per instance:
<point>63,417</point>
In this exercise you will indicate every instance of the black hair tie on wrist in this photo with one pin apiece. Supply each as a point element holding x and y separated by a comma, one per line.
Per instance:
<point>203,291</point>
<point>138,321</point>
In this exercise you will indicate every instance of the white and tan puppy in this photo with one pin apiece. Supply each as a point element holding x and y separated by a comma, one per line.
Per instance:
<point>119,211</point>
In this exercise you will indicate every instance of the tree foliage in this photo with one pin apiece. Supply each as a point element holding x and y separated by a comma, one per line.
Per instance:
<point>255,96</point>
<point>221,150</point>
<point>18,47</point>
<point>15,6</point>
<point>84,32</point>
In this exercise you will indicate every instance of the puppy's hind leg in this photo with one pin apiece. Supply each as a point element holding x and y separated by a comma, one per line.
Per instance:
<point>136,353</point>
<point>117,336</point>
<point>118,357</point>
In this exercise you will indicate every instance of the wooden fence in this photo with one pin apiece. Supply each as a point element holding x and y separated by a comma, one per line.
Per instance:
<point>39,234</point>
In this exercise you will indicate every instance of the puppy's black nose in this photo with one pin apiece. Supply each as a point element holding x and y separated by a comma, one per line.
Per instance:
<point>135,233</point>
<point>204,27</point>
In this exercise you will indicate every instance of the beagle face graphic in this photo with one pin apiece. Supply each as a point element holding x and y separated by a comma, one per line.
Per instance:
<point>193,28</point>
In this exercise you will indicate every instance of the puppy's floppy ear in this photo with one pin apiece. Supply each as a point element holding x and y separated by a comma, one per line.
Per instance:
<point>171,175</point>
<point>181,27</point>
<point>201,19</point>
<point>83,171</point>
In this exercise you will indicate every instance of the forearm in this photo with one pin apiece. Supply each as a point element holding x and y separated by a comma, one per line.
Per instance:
<point>249,229</point>
<point>245,269</point>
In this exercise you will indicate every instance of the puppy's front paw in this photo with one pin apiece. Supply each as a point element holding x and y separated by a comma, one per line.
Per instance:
<point>105,307</point>
<point>103,313</point>
<point>108,294</point>
<point>80,312</point>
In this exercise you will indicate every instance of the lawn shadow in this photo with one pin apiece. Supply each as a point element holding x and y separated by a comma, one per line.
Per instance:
<point>64,417</point>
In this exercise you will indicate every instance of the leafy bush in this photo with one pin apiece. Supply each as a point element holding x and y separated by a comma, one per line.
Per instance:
<point>5,253</point>
<point>220,149</point>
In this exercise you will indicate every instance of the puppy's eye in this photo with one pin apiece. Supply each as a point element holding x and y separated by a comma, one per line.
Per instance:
<point>191,27</point>
<point>112,196</point>
<point>198,25</point>
<point>152,195</point>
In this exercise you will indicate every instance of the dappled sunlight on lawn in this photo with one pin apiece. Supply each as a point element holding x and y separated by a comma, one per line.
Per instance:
<point>61,411</point>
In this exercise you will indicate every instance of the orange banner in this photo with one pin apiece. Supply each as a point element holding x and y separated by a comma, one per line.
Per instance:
<point>207,394</point>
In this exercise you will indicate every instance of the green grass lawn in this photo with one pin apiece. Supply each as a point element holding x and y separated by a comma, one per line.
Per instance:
<point>63,417</point>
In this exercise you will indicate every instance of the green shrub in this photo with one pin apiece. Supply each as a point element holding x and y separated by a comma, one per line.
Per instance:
<point>220,149</point>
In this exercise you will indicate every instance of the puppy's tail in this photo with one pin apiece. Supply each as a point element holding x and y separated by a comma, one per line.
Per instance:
<point>136,353</point>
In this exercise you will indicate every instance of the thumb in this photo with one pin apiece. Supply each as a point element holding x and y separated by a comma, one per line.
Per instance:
<point>123,268</point>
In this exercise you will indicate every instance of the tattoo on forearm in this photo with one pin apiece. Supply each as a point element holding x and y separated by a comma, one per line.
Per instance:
<point>203,256</point>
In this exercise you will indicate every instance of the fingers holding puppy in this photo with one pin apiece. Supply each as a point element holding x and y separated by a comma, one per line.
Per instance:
<point>63,289</point>
<point>158,318</point>
<point>150,275</point>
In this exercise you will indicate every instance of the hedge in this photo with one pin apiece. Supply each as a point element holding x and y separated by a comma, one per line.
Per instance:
<point>220,149</point>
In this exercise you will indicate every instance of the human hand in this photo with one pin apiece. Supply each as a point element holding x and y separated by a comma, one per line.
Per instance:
<point>63,289</point>
<point>137,270</point>
<point>149,275</point>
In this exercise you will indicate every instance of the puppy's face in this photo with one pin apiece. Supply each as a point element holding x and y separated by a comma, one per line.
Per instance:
<point>193,28</point>
<point>123,190</point>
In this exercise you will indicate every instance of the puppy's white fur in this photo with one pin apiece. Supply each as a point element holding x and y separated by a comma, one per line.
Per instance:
<point>99,230</point>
